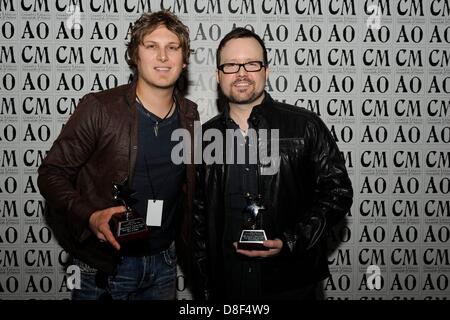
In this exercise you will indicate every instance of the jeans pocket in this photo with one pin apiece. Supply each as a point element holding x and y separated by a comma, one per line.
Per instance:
<point>170,255</point>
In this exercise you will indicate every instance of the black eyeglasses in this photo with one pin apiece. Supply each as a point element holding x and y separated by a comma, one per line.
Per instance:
<point>251,66</point>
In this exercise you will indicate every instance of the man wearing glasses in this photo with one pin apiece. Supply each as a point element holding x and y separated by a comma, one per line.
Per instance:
<point>293,206</point>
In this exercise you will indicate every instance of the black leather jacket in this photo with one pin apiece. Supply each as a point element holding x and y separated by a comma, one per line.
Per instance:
<point>310,193</point>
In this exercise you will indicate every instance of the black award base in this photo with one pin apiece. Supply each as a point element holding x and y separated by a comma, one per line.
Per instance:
<point>128,226</point>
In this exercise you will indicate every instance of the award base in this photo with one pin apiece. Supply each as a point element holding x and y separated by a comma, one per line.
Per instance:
<point>252,240</point>
<point>128,226</point>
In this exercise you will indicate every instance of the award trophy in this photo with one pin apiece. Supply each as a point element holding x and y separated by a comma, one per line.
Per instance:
<point>127,225</point>
<point>252,235</point>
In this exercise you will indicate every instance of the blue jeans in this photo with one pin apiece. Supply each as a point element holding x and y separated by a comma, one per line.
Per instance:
<point>137,278</point>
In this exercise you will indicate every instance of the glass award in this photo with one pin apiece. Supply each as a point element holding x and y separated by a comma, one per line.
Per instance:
<point>252,234</point>
<point>128,225</point>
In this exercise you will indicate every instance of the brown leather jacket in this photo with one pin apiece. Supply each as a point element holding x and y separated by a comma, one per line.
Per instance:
<point>98,146</point>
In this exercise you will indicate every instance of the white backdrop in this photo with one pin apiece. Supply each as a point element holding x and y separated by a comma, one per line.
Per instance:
<point>376,71</point>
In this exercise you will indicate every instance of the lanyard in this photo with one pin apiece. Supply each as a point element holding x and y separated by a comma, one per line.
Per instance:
<point>155,127</point>
<point>149,178</point>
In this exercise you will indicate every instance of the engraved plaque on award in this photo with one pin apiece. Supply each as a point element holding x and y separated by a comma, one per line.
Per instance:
<point>128,225</point>
<point>252,234</point>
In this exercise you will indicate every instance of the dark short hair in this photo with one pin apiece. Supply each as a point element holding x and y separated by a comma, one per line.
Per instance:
<point>146,24</point>
<point>237,34</point>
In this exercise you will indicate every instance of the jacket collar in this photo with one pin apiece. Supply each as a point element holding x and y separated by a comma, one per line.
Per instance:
<point>187,108</point>
<point>131,93</point>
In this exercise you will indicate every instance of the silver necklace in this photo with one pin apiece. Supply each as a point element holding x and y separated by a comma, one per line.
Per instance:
<point>155,127</point>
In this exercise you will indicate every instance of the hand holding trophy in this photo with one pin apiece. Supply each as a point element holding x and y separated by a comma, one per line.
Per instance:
<point>252,234</point>
<point>127,225</point>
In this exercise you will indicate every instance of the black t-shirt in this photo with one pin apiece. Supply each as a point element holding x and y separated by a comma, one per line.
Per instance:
<point>156,177</point>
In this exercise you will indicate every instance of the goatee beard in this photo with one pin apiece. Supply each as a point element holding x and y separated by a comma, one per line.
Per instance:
<point>255,96</point>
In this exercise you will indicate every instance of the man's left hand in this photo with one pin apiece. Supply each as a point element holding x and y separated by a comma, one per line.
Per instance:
<point>273,245</point>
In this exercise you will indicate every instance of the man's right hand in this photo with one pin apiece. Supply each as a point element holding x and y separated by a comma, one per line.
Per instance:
<point>99,224</point>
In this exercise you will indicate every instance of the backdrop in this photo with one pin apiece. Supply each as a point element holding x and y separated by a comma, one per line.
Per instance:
<point>376,71</point>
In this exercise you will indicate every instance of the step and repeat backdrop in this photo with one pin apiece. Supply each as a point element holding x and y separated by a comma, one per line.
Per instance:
<point>376,71</point>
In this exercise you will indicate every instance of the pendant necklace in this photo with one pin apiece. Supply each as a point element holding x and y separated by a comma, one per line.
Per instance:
<point>155,127</point>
